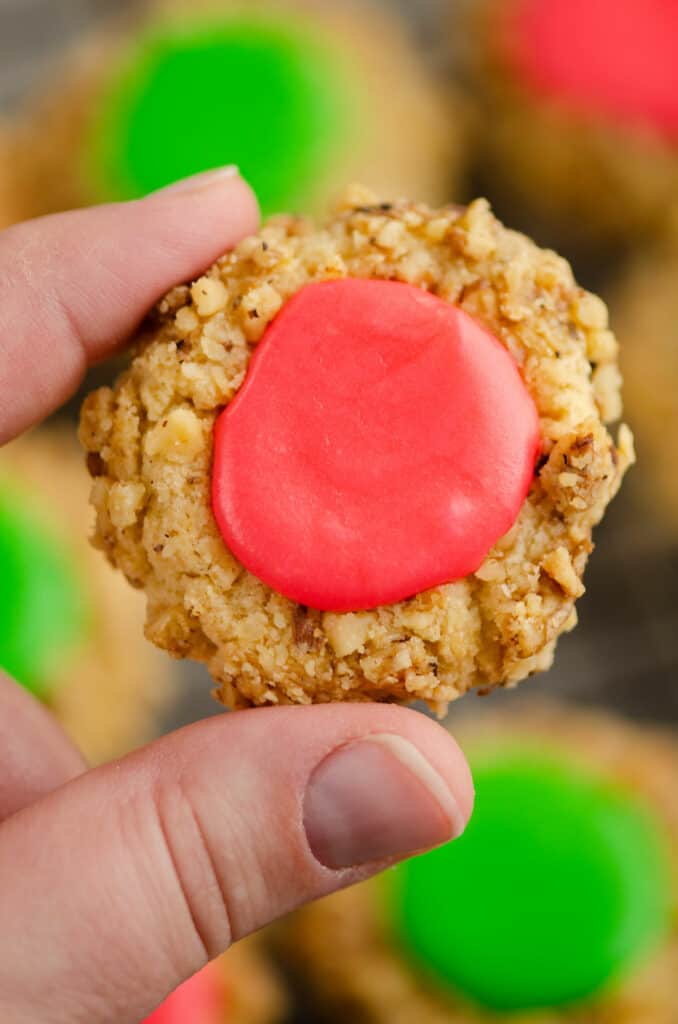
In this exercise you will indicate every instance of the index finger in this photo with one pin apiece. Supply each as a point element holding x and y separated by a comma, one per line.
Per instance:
<point>74,286</point>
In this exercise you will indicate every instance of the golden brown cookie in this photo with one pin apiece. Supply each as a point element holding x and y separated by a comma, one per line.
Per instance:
<point>150,447</point>
<point>346,952</point>
<point>256,990</point>
<point>646,307</point>
<point>103,681</point>
<point>242,987</point>
<point>319,95</point>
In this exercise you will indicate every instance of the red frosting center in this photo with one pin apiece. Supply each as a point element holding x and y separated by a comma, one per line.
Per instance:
<point>381,443</point>
<point>618,58</point>
<point>200,1000</point>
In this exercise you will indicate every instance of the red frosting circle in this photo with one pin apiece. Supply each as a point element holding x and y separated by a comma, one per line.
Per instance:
<point>618,58</point>
<point>200,1000</point>
<point>382,442</point>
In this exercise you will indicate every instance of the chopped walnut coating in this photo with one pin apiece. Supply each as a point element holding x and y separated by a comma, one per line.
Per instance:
<point>152,434</point>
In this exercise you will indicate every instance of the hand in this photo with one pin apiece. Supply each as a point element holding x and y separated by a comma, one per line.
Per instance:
<point>118,884</point>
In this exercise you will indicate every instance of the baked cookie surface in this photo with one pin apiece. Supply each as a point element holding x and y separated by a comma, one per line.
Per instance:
<point>357,966</point>
<point>150,450</point>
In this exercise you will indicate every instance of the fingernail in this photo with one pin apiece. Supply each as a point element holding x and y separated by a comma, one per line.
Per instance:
<point>197,182</point>
<point>377,798</point>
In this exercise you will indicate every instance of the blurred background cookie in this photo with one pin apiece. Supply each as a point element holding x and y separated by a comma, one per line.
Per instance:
<point>72,630</point>
<point>241,987</point>
<point>559,904</point>
<point>576,115</point>
<point>302,96</point>
<point>645,303</point>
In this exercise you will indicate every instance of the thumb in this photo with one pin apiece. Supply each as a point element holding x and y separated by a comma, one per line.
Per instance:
<point>122,883</point>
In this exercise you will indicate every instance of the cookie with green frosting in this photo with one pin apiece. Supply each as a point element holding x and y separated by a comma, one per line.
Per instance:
<point>72,633</point>
<point>557,906</point>
<point>302,97</point>
<point>42,597</point>
<point>582,895</point>
<point>266,93</point>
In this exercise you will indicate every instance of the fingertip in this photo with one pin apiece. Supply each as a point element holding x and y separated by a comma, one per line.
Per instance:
<point>439,747</point>
<point>221,199</point>
<point>243,200</point>
<point>318,730</point>
<point>395,786</point>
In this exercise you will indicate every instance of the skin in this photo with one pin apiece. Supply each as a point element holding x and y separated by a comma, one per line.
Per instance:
<point>118,884</point>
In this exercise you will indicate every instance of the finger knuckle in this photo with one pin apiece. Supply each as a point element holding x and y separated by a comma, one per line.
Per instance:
<point>199,883</point>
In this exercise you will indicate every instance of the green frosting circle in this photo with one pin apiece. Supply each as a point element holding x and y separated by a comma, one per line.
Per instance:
<point>559,885</point>
<point>42,603</point>
<point>250,90</point>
